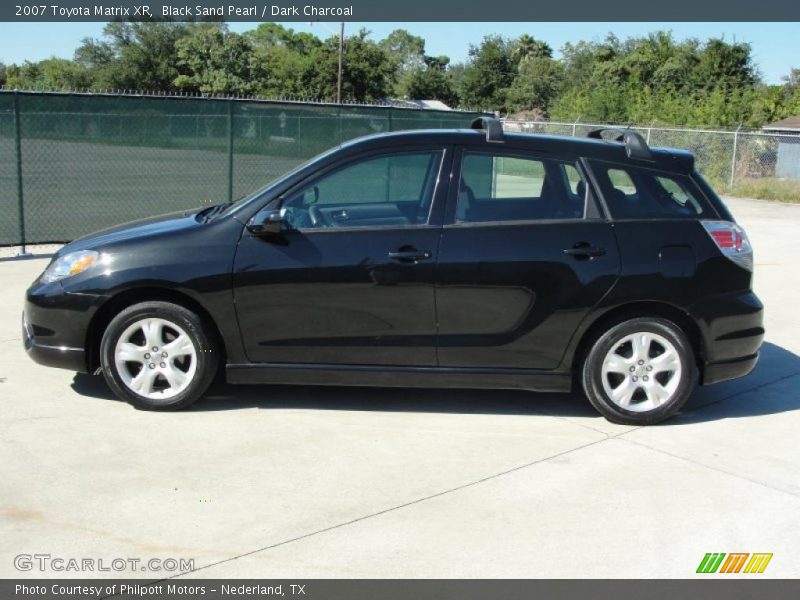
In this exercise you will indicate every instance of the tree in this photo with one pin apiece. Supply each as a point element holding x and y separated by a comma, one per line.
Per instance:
<point>366,69</point>
<point>728,64</point>
<point>417,75</point>
<point>49,74</point>
<point>407,55</point>
<point>647,79</point>
<point>657,79</point>
<point>536,86</point>
<point>488,74</point>
<point>214,61</point>
<point>528,47</point>
<point>406,50</point>
<point>792,80</point>
<point>135,55</point>
<point>270,35</point>
<point>431,82</point>
<point>282,60</point>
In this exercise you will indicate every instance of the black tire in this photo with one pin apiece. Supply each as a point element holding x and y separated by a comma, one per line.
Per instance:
<point>206,355</point>
<point>591,372</point>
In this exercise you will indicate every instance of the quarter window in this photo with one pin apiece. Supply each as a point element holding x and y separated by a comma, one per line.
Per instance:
<point>497,188</point>
<point>639,193</point>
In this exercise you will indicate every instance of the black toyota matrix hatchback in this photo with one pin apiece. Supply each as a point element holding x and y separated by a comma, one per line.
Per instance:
<point>452,258</point>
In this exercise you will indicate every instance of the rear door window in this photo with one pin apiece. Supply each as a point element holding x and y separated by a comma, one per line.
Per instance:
<point>640,193</point>
<point>497,187</point>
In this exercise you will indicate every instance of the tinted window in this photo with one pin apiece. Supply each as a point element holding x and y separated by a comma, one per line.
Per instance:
<point>387,190</point>
<point>637,193</point>
<point>393,178</point>
<point>574,178</point>
<point>496,187</point>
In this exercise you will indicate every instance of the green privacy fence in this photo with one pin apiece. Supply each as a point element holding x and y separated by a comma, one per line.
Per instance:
<point>74,163</point>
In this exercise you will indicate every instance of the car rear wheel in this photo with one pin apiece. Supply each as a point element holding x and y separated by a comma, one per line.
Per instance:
<point>639,372</point>
<point>158,356</point>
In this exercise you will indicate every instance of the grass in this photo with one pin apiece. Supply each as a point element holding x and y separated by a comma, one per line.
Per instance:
<point>766,188</point>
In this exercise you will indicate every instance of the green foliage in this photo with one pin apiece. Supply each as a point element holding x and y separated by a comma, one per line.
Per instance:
<point>282,61</point>
<point>489,73</point>
<point>526,46</point>
<point>537,84</point>
<point>51,73</point>
<point>652,79</point>
<point>417,75</point>
<point>655,79</point>
<point>366,73</point>
<point>405,50</point>
<point>135,56</point>
<point>214,61</point>
<point>428,82</point>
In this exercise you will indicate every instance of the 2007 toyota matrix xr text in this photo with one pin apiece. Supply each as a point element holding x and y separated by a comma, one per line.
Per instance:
<point>465,258</point>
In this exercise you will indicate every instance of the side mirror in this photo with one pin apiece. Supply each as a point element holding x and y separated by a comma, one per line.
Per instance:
<point>269,222</point>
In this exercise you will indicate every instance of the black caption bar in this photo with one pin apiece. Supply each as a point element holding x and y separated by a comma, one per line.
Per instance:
<point>379,589</point>
<point>405,10</point>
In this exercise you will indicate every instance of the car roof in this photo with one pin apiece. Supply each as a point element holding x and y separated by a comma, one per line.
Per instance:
<point>669,159</point>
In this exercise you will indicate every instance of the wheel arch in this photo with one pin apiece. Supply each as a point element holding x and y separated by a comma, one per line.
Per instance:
<point>119,302</point>
<point>603,321</point>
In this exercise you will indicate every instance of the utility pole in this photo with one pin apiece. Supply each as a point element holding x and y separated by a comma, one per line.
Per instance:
<point>341,52</point>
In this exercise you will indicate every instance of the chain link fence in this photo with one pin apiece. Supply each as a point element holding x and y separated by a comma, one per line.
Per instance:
<point>729,159</point>
<point>74,163</point>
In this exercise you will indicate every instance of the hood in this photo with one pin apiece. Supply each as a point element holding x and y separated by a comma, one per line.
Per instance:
<point>149,227</point>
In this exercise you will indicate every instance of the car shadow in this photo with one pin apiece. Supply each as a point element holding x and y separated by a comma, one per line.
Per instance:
<point>716,402</point>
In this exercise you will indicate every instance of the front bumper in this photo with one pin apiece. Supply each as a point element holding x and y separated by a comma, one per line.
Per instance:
<point>63,357</point>
<point>55,323</point>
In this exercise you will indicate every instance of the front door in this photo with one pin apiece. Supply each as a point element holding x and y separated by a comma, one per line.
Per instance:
<point>524,256</point>
<point>352,281</point>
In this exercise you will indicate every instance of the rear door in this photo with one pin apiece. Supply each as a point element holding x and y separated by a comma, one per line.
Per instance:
<point>524,256</point>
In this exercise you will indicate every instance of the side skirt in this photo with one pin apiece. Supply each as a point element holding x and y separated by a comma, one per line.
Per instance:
<point>411,377</point>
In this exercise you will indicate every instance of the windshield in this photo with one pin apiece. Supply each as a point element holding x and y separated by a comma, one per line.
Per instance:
<point>237,204</point>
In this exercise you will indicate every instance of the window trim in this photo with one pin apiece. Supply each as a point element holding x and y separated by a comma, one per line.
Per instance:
<point>455,181</point>
<point>445,154</point>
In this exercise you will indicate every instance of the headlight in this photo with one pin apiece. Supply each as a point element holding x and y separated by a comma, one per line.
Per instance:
<point>70,264</point>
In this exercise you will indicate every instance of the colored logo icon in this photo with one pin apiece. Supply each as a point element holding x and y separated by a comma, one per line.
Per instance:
<point>735,562</point>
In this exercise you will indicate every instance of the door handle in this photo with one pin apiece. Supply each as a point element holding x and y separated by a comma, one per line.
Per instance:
<point>411,256</point>
<point>585,250</point>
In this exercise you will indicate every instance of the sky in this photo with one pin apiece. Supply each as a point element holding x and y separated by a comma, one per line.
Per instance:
<point>776,46</point>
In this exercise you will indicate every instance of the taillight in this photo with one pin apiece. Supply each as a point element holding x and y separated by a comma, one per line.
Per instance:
<point>732,242</point>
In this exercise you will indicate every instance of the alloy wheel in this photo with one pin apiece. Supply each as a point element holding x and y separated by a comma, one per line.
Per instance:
<point>641,372</point>
<point>155,358</point>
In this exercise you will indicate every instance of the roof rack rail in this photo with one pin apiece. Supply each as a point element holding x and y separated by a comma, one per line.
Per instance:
<point>492,126</point>
<point>635,145</point>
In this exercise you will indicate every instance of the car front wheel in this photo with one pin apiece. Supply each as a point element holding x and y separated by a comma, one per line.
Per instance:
<point>640,371</point>
<point>158,356</point>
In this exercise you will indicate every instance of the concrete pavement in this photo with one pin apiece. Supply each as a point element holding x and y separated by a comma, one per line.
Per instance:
<point>325,482</point>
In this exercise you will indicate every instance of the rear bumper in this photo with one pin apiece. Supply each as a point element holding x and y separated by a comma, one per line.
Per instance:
<point>732,369</point>
<point>63,357</point>
<point>733,331</point>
